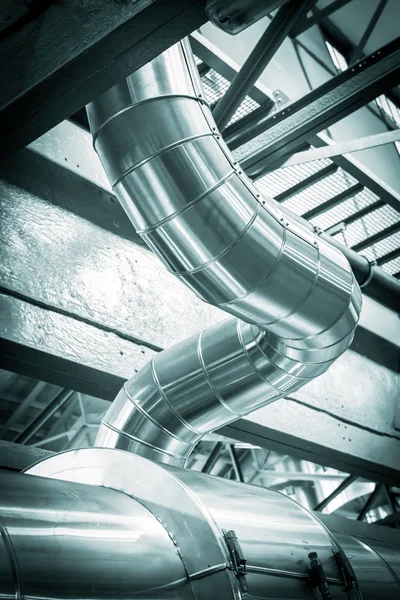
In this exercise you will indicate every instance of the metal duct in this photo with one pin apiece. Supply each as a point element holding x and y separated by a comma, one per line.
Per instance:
<point>162,532</point>
<point>295,296</point>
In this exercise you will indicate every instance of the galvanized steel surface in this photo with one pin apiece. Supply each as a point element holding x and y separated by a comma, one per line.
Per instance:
<point>205,220</point>
<point>71,541</point>
<point>275,533</point>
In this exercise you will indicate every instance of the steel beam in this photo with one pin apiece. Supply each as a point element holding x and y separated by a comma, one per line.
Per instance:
<point>259,59</point>
<point>307,182</point>
<point>317,17</point>
<point>371,534</point>
<point>377,237</point>
<point>237,468</point>
<point>40,342</point>
<point>26,403</point>
<point>55,66</point>
<point>371,501</point>
<point>222,64</point>
<point>359,50</point>
<point>18,457</point>
<point>346,147</point>
<point>364,175</point>
<point>388,257</point>
<point>361,213</point>
<point>61,168</point>
<point>332,202</point>
<point>89,325</point>
<point>56,404</point>
<point>213,458</point>
<point>392,520</point>
<point>327,104</point>
<point>340,488</point>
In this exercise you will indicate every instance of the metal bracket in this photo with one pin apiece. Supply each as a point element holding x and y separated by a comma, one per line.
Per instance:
<point>347,573</point>
<point>318,577</point>
<point>237,557</point>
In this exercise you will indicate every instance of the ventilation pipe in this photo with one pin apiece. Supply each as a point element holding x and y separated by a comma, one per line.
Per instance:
<point>293,298</point>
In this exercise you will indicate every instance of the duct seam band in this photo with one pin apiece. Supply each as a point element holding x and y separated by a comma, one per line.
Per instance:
<point>150,418</point>
<point>163,394</point>
<point>141,441</point>
<point>207,377</point>
<point>218,184</point>
<point>95,134</point>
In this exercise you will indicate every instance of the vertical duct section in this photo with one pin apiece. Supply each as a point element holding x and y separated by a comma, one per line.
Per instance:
<point>294,300</point>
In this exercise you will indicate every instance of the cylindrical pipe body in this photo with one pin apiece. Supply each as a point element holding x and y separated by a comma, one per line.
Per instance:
<point>275,534</point>
<point>67,541</point>
<point>295,295</point>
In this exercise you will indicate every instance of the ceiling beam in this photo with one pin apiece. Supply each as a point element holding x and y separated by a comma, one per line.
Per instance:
<point>318,16</point>
<point>345,147</point>
<point>388,257</point>
<point>61,59</point>
<point>361,173</point>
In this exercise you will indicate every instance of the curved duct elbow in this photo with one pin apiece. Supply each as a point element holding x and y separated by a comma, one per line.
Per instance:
<point>294,296</point>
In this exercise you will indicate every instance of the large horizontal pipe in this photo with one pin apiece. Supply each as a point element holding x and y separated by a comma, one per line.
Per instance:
<point>162,532</point>
<point>73,541</point>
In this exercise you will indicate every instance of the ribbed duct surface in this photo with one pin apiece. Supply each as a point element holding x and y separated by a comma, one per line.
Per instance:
<point>295,296</point>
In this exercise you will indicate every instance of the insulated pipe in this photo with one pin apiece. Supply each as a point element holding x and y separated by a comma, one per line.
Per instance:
<point>296,300</point>
<point>235,541</point>
<point>62,540</point>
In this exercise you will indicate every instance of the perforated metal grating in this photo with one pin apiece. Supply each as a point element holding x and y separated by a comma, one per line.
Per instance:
<point>281,180</point>
<point>215,86</point>
<point>345,209</point>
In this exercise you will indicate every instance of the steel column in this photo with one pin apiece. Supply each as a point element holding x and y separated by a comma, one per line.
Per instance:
<point>259,59</point>
<point>236,463</point>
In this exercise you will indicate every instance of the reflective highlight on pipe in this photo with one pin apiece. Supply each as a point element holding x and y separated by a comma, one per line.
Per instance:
<point>295,298</point>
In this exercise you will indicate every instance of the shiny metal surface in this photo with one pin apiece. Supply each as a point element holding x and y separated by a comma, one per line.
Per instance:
<point>71,541</point>
<point>197,538</point>
<point>296,297</point>
<point>375,579</point>
<point>275,533</point>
